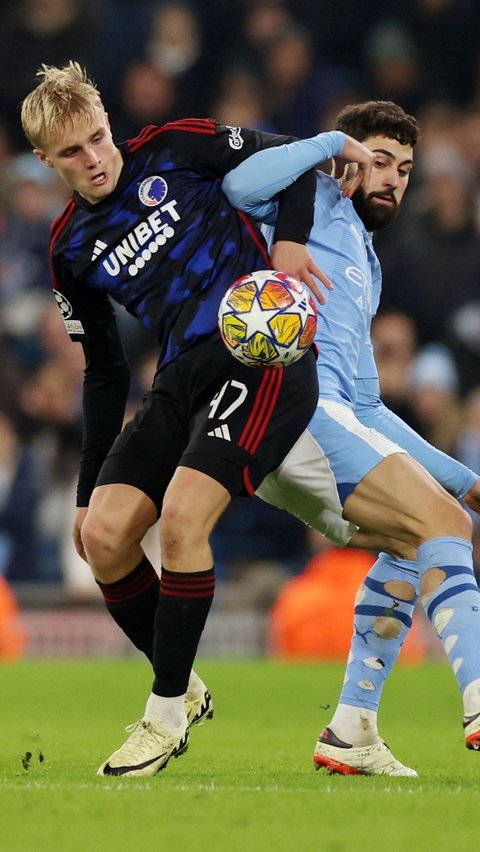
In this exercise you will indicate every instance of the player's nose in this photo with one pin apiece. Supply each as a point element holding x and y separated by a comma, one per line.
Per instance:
<point>93,158</point>
<point>392,178</point>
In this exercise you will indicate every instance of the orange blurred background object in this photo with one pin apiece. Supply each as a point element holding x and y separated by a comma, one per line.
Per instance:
<point>12,634</point>
<point>312,617</point>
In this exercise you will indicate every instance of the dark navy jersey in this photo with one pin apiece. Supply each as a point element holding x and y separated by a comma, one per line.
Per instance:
<point>166,244</point>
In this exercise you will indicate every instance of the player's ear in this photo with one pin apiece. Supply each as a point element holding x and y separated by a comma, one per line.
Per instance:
<point>42,157</point>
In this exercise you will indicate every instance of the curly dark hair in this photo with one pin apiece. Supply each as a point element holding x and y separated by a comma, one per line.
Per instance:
<point>378,118</point>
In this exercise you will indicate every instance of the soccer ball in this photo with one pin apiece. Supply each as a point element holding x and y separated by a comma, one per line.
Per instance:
<point>267,318</point>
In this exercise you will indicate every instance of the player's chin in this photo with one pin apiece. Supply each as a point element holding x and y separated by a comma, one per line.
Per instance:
<point>382,215</point>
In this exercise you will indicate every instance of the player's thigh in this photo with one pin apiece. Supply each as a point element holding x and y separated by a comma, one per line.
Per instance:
<point>400,499</point>
<point>192,505</point>
<point>146,453</point>
<point>380,487</point>
<point>351,449</point>
<point>304,485</point>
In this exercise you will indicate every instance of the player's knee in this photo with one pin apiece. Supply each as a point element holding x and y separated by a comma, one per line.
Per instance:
<point>465,524</point>
<point>103,541</point>
<point>450,518</point>
<point>179,531</point>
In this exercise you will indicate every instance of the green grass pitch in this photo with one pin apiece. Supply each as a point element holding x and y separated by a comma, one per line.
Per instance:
<point>247,782</point>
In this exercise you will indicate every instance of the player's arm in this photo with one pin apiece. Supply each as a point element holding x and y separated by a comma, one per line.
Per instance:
<point>217,149</point>
<point>254,185</point>
<point>259,186</point>
<point>455,477</point>
<point>89,318</point>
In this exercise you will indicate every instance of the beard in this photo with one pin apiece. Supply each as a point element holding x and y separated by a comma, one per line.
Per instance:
<point>374,216</point>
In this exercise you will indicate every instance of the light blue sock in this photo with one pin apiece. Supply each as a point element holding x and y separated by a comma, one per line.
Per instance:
<point>454,607</point>
<point>378,614</point>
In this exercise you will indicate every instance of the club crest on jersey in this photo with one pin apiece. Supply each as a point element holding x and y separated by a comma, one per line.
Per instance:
<point>152,191</point>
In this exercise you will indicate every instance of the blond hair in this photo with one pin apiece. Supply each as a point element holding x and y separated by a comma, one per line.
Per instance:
<point>63,93</point>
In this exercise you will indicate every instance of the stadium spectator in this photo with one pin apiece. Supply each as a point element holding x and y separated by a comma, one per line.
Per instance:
<point>434,389</point>
<point>393,67</point>
<point>176,46</point>
<point>35,31</point>
<point>33,197</point>
<point>241,101</point>
<point>394,339</point>
<point>20,493</point>
<point>432,263</point>
<point>148,96</point>
<point>417,34</point>
<point>300,88</point>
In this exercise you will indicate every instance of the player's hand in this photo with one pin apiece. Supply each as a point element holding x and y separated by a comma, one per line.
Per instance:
<point>358,173</point>
<point>295,260</point>
<point>472,498</point>
<point>80,515</point>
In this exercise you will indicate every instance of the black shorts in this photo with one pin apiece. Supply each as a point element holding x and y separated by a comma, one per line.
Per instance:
<point>209,412</point>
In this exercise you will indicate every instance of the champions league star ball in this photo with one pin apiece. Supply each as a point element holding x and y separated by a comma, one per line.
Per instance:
<point>267,318</point>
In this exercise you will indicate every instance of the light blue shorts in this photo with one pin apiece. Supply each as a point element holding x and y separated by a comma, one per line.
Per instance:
<point>324,467</point>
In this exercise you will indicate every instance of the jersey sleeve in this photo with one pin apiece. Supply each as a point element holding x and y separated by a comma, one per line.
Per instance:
<point>90,319</point>
<point>218,149</point>
<point>254,184</point>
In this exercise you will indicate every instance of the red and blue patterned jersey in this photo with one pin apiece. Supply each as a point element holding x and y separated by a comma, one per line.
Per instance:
<point>166,244</point>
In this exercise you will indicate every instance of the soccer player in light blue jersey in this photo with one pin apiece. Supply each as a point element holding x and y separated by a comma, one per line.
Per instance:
<point>360,475</point>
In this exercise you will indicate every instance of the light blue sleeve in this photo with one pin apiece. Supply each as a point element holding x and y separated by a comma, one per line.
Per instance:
<point>370,410</point>
<point>253,184</point>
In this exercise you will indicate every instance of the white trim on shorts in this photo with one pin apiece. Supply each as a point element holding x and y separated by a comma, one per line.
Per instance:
<point>305,483</point>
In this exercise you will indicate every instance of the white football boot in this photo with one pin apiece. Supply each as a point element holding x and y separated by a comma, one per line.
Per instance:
<point>198,703</point>
<point>148,749</point>
<point>341,758</point>
<point>471,727</point>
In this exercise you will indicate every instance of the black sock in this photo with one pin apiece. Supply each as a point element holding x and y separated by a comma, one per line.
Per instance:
<point>132,602</point>
<point>183,606</point>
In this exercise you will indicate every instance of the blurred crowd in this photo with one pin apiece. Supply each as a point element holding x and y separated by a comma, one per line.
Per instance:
<point>277,66</point>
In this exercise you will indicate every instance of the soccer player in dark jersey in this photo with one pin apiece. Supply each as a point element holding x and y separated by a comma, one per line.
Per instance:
<point>149,227</point>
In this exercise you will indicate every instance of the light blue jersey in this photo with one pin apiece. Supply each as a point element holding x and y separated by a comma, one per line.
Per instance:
<point>339,245</point>
<point>342,248</point>
<point>350,433</point>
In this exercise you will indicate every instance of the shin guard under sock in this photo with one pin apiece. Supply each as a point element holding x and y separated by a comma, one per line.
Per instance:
<point>183,606</point>
<point>132,602</point>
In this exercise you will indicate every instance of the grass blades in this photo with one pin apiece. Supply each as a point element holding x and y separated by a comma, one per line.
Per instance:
<point>247,782</point>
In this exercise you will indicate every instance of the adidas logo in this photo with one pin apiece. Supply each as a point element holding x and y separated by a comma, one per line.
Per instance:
<point>220,432</point>
<point>97,249</point>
